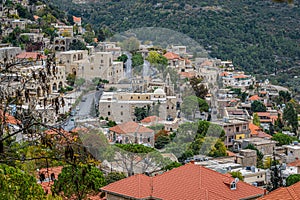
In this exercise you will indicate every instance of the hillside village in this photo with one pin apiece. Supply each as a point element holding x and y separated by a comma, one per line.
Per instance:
<point>175,126</point>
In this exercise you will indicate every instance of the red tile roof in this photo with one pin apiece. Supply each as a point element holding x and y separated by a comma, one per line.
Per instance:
<point>151,119</point>
<point>171,56</point>
<point>47,185</point>
<point>224,74</point>
<point>76,19</point>
<point>284,193</point>
<point>254,98</point>
<point>206,63</point>
<point>187,74</point>
<point>130,127</point>
<point>231,154</point>
<point>32,55</point>
<point>186,182</point>
<point>240,76</point>
<point>35,17</point>
<point>9,119</point>
<point>296,163</point>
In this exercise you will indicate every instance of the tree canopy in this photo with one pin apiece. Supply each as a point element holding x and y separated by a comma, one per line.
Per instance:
<point>292,179</point>
<point>17,184</point>
<point>79,181</point>
<point>258,106</point>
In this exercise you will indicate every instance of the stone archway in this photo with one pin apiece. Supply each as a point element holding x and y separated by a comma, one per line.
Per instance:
<point>74,71</point>
<point>38,92</point>
<point>60,85</point>
<point>54,87</point>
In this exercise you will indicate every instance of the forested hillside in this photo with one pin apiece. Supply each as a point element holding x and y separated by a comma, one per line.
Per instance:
<point>260,36</point>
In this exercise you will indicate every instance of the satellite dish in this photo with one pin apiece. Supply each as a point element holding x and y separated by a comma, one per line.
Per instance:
<point>236,180</point>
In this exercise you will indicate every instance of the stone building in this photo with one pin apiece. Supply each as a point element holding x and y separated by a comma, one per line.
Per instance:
<point>131,132</point>
<point>246,157</point>
<point>120,106</point>
<point>234,129</point>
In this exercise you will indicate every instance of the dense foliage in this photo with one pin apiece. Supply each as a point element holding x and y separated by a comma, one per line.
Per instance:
<point>16,184</point>
<point>79,181</point>
<point>292,179</point>
<point>259,36</point>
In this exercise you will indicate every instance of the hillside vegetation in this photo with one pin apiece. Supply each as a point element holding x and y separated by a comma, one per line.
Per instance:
<point>260,36</point>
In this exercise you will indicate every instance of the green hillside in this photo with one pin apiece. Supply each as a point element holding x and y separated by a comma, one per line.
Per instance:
<point>260,36</point>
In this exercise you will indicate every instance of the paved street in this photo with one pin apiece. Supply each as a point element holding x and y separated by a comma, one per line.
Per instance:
<point>84,108</point>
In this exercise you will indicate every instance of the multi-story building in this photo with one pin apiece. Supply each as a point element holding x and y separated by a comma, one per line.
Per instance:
<point>253,175</point>
<point>234,129</point>
<point>120,106</point>
<point>237,79</point>
<point>9,53</point>
<point>89,65</point>
<point>265,146</point>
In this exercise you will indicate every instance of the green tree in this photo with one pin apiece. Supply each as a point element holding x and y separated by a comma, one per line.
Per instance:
<point>157,60</point>
<point>137,60</point>
<point>172,166</point>
<point>78,181</point>
<point>17,184</point>
<point>140,113</point>
<point>79,81</point>
<point>71,79</point>
<point>131,156</point>
<point>161,139</point>
<point>292,179</point>
<point>123,58</point>
<point>114,176</point>
<point>131,44</point>
<point>256,120</point>
<point>290,117</point>
<point>77,45</point>
<point>89,37</point>
<point>200,89</point>
<point>282,139</point>
<point>258,106</point>
<point>192,104</point>
<point>237,175</point>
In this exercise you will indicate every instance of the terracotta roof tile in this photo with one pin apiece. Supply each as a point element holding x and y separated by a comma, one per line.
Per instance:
<point>151,119</point>
<point>32,55</point>
<point>171,56</point>
<point>76,19</point>
<point>254,98</point>
<point>186,182</point>
<point>284,193</point>
<point>240,76</point>
<point>9,119</point>
<point>187,74</point>
<point>224,74</point>
<point>296,163</point>
<point>130,127</point>
<point>46,185</point>
<point>207,63</point>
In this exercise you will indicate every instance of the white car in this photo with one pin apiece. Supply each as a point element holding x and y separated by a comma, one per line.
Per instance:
<point>77,108</point>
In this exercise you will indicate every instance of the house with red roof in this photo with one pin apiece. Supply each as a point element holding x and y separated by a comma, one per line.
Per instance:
<point>186,182</point>
<point>284,193</point>
<point>131,132</point>
<point>267,117</point>
<point>175,61</point>
<point>257,131</point>
<point>296,165</point>
<point>151,120</point>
